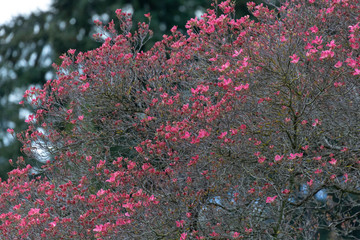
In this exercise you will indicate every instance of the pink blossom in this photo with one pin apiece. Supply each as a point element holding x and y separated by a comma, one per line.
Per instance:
<point>316,122</point>
<point>180,223</point>
<point>99,228</point>
<point>225,66</point>
<point>252,190</point>
<point>326,54</point>
<point>314,29</point>
<point>227,81</point>
<point>317,40</point>
<point>71,51</point>
<point>310,182</point>
<point>222,135</point>
<point>241,86</point>
<point>145,166</point>
<point>81,117</point>
<point>52,224</point>
<point>295,58</point>
<point>261,159</point>
<point>131,165</point>
<point>139,149</point>
<point>173,29</point>
<point>236,234</point>
<point>286,191</point>
<point>84,87</point>
<point>331,44</point>
<point>203,133</point>
<point>34,211</point>
<point>271,199</point>
<point>356,72</point>
<point>278,158</point>
<point>10,130</point>
<point>100,192</point>
<point>186,135</point>
<point>237,53</point>
<point>333,161</point>
<point>183,236</point>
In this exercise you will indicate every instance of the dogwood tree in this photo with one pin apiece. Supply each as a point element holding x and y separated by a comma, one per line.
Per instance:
<point>239,128</point>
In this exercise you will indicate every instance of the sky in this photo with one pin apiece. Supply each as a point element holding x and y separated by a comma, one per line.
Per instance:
<point>13,8</point>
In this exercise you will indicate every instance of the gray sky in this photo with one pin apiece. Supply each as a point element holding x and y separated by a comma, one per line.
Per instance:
<point>12,8</point>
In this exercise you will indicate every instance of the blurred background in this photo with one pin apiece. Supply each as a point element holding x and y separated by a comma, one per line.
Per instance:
<point>33,34</point>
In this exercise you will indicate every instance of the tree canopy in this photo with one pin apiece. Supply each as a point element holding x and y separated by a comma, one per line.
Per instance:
<point>238,128</point>
<point>30,44</point>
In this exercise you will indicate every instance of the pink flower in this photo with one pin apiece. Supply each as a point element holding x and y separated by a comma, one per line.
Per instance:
<point>316,122</point>
<point>271,199</point>
<point>241,86</point>
<point>236,234</point>
<point>314,29</point>
<point>286,191</point>
<point>52,224</point>
<point>333,161</point>
<point>139,149</point>
<point>356,72</point>
<point>252,190</point>
<point>98,228</point>
<point>203,133</point>
<point>305,147</point>
<point>227,81</point>
<point>180,223</point>
<point>88,158</point>
<point>100,192</point>
<point>84,87</point>
<point>81,117</point>
<point>10,130</point>
<point>183,236</point>
<point>145,166</point>
<point>237,53</point>
<point>173,29</point>
<point>331,44</point>
<point>71,51</point>
<point>310,182</point>
<point>222,135</point>
<point>186,135</point>
<point>261,159</point>
<point>147,15</point>
<point>224,67</point>
<point>100,164</point>
<point>278,158</point>
<point>34,211</point>
<point>295,58</point>
<point>326,54</point>
<point>131,165</point>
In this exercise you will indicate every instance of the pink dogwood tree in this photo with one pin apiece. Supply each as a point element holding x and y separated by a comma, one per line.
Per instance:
<point>239,128</point>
